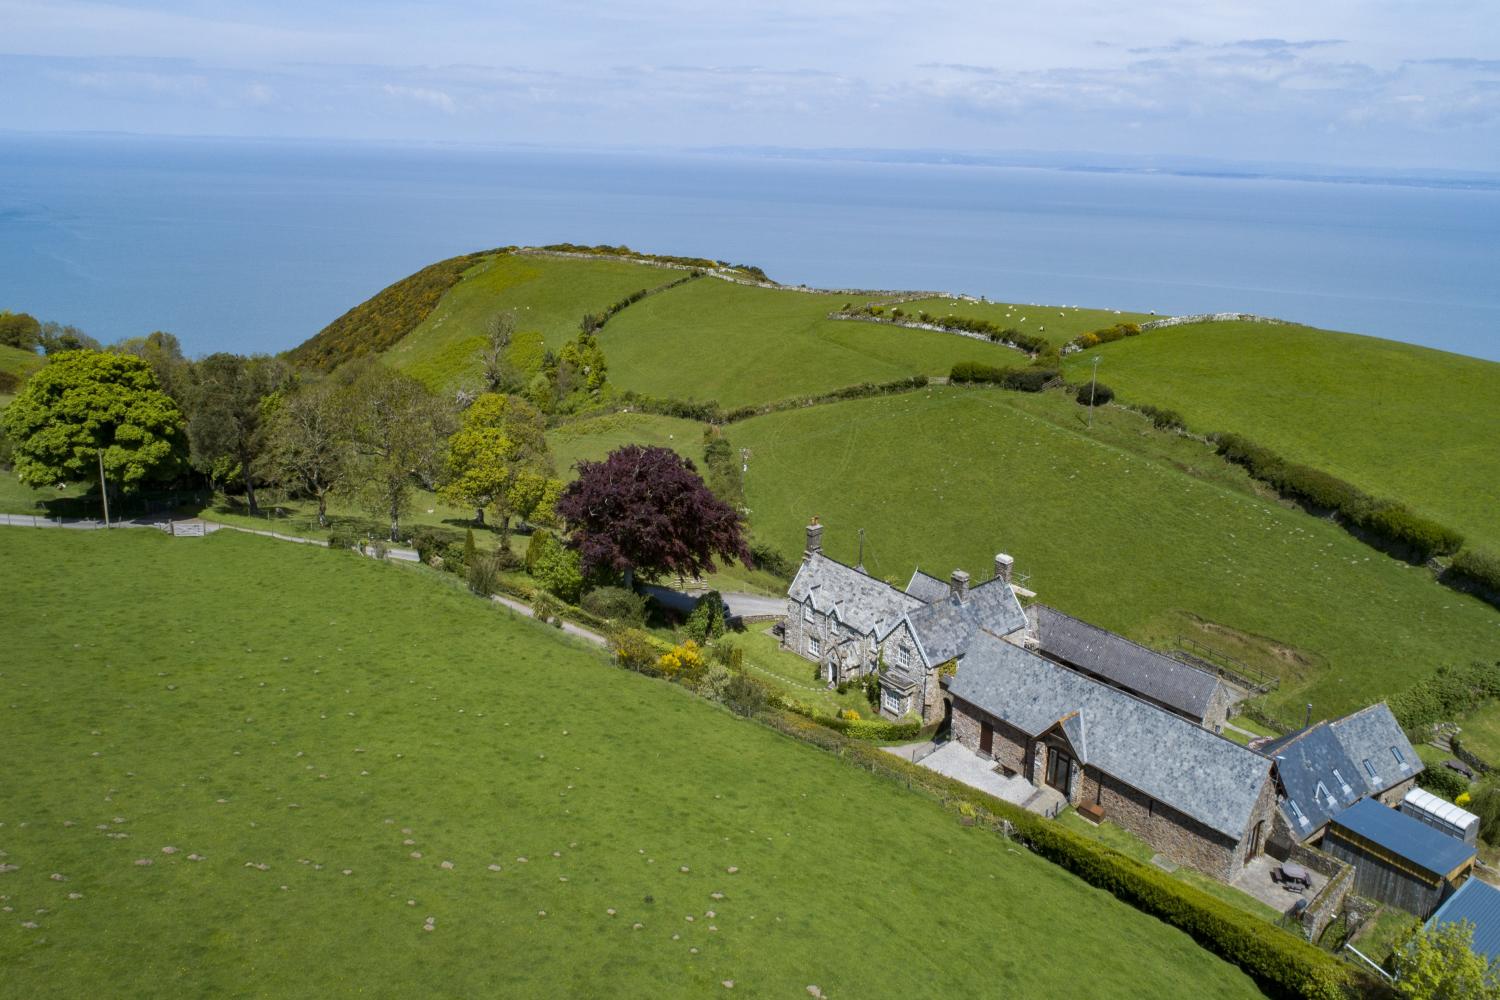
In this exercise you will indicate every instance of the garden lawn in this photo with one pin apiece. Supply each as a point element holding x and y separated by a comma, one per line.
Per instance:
<point>1395,420</point>
<point>594,438</point>
<point>1058,324</point>
<point>1138,531</point>
<point>794,676</point>
<point>712,339</point>
<point>548,294</point>
<point>326,732</point>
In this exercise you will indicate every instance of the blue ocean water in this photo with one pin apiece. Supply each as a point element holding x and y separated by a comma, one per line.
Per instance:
<point>255,245</point>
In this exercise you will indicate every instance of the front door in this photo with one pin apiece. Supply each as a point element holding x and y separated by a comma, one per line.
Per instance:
<point>1059,770</point>
<point>1255,844</point>
<point>986,739</point>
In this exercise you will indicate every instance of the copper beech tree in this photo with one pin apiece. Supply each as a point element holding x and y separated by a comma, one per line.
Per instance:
<point>647,510</point>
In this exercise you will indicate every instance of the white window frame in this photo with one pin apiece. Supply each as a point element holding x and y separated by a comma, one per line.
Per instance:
<point>890,701</point>
<point>903,654</point>
<point>814,648</point>
<point>807,612</point>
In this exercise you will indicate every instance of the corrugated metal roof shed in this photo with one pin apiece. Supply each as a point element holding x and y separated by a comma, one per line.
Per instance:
<point>1478,903</point>
<point>1405,837</point>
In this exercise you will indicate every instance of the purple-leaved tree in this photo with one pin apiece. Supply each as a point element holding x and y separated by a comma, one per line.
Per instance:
<point>647,510</point>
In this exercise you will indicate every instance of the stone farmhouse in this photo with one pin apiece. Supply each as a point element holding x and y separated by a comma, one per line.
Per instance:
<point>852,625</point>
<point>1196,797</point>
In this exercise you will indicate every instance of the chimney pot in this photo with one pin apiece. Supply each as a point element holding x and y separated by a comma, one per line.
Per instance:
<point>958,583</point>
<point>1003,566</point>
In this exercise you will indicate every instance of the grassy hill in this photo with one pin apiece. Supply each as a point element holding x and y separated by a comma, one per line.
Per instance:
<point>549,295</point>
<point>737,344</point>
<point>1396,420</point>
<point>16,366</point>
<point>326,742</point>
<point>1059,324</point>
<point>1143,532</point>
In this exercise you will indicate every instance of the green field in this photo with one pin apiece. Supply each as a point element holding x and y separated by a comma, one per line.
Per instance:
<point>1396,420</point>
<point>716,340</point>
<point>20,363</point>
<point>1059,324</point>
<point>549,295</point>
<point>1142,532</point>
<point>308,722</point>
<point>596,437</point>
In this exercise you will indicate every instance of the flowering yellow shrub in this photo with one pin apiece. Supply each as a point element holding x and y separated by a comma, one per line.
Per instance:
<point>684,661</point>
<point>849,714</point>
<point>1464,798</point>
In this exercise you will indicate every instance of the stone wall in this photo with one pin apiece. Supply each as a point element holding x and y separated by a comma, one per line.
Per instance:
<point>1181,838</point>
<point>1324,907</point>
<point>1009,747</point>
<point>1158,324</point>
<point>1394,795</point>
<point>1219,708</point>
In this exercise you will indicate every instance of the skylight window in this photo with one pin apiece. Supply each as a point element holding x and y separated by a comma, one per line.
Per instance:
<point>1370,770</point>
<point>1342,783</point>
<point>1297,812</point>
<point>1400,760</point>
<point>1323,791</point>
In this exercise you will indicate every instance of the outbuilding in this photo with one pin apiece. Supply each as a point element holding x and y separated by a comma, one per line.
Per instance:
<point>1479,904</point>
<point>1397,859</point>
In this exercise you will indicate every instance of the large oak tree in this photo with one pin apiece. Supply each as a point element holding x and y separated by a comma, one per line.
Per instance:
<point>647,510</point>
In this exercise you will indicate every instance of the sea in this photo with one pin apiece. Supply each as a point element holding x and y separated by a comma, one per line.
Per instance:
<point>254,245</point>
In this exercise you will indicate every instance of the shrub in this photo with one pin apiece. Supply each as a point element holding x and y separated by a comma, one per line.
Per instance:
<point>540,542</point>
<point>430,542</point>
<point>849,714</point>
<point>1478,568</point>
<point>683,663</point>
<point>454,559</point>
<point>635,650</point>
<point>1425,537</point>
<point>616,604</point>
<point>1443,781</point>
<point>1162,419</point>
<point>974,371</point>
<point>728,654</point>
<point>558,570</point>
<point>343,538</point>
<point>10,383</point>
<point>482,575</point>
<point>772,561</point>
<point>546,608</point>
<point>1445,694</point>
<point>470,549</point>
<point>745,695</point>
<point>1486,805</point>
<point>1028,379</point>
<point>715,681</point>
<point>706,621</point>
<point>1094,393</point>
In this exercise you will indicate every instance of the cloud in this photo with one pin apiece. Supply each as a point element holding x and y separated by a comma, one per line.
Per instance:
<point>430,96</point>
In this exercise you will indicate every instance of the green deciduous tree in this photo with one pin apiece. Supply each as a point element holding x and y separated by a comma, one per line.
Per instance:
<point>56,338</point>
<point>496,457</point>
<point>163,352</point>
<point>226,404</point>
<point>19,330</point>
<point>496,368</point>
<point>307,448</point>
<point>396,431</point>
<point>85,403</point>
<point>1439,964</point>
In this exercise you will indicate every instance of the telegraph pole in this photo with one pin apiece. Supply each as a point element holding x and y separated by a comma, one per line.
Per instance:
<point>103,490</point>
<point>1093,385</point>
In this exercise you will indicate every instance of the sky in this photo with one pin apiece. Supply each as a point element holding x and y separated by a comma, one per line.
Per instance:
<point>1373,83</point>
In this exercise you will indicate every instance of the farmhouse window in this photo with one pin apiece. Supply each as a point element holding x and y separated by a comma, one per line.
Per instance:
<point>814,648</point>
<point>807,614</point>
<point>903,655</point>
<point>889,701</point>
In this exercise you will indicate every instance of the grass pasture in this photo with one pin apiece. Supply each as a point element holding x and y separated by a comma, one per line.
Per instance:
<point>1145,533</point>
<point>549,295</point>
<point>324,732</point>
<point>713,339</point>
<point>1396,420</point>
<point>1059,324</point>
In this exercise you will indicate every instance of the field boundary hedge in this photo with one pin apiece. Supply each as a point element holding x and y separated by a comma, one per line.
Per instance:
<point>961,326</point>
<point>1283,964</point>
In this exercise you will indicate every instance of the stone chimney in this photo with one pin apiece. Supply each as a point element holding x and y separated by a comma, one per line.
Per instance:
<point>1003,566</point>
<point>814,538</point>
<point>958,584</point>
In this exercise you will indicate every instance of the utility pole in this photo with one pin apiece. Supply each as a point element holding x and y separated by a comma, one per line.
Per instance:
<point>103,490</point>
<point>1093,385</point>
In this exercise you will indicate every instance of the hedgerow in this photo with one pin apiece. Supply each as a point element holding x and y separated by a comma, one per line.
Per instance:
<point>1386,520</point>
<point>1105,336</point>
<point>1017,379</point>
<point>1283,964</point>
<point>1444,695</point>
<point>1009,335</point>
<point>1479,571</point>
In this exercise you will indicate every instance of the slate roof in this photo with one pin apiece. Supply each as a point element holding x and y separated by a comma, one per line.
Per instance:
<point>944,628</point>
<point>1317,776</point>
<point>1373,739</point>
<point>926,588</point>
<point>1405,837</point>
<point>1125,663</point>
<point>1169,758</point>
<point>861,601</point>
<point>1479,904</point>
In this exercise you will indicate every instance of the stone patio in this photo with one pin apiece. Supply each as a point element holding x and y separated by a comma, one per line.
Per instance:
<point>962,764</point>
<point>1255,880</point>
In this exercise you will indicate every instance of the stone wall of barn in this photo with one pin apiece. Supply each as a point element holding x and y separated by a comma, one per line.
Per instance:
<point>1010,745</point>
<point>1180,838</point>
